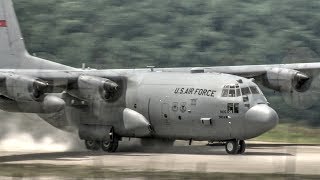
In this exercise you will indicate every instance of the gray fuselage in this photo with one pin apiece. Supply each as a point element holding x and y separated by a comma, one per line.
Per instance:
<point>191,106</point>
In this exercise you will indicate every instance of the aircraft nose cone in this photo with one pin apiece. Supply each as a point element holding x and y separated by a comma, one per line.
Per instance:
<point>260,119</point>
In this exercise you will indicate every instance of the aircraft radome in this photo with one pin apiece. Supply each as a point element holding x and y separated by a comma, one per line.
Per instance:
<point>155,104</point>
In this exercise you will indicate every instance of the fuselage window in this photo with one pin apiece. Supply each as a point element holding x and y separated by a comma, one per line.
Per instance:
<point>254,90</point>
<point>175,106</point>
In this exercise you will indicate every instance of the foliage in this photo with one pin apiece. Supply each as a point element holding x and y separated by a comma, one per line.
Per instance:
<point>136,33</point>
<point>291,133</point>
<point>168,33</point>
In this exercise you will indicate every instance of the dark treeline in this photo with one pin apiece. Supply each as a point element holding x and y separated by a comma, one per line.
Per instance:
<point>170,33</point>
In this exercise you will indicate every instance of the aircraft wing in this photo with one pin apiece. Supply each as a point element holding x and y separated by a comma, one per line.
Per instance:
<point>249,71</point>
<point>298,83</point>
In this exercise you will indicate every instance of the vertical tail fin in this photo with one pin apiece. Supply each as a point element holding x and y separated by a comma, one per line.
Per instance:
<point>11,42</point>
<point>13,54</point>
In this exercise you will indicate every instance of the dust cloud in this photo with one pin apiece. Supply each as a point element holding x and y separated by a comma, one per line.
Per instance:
<point>28,132</point>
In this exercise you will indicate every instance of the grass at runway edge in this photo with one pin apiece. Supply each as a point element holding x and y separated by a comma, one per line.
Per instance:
<point>80,172</point>
<point>292,133</point>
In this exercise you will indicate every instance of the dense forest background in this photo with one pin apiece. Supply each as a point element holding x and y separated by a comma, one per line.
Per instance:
<point>171,33</point>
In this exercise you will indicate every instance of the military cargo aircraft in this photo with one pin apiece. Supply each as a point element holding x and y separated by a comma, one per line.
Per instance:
<point>222,104</point>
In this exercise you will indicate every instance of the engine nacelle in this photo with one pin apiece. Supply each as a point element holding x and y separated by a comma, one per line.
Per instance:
<point>23,88</point>
<point>286,80</point>
<point>49,104</point>
<point>90,87</point>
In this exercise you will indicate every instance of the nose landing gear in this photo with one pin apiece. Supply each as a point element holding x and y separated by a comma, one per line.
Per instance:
<point>235,147</point>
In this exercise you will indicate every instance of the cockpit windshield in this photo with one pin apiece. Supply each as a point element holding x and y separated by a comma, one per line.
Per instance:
<point>254,90</point>
<point>236,91</point>
<point>250,90</point>
<point>245,91</point>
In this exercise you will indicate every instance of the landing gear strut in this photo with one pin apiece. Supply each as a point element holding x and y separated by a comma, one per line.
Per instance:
<point>236,147</point>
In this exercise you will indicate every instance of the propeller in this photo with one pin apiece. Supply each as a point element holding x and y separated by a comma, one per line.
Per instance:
<point>301,82</point>
<point>39,88</point>
<point>109,89</point>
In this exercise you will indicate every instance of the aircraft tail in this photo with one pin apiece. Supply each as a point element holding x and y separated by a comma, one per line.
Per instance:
<point>13,54</point>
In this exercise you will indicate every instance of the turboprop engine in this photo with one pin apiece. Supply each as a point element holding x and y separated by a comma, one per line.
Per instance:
<point>90,86</point>
<point>287,80</point>
<point>298,89</point>
<point>27,94</point>
<point>23,88</point>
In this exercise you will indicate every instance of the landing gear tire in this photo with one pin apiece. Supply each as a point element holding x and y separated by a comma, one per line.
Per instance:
<point>236,147</point>
<point>109,146</point>
<point>232,147</point>
<point>92,145</point>
<point>242,147</point>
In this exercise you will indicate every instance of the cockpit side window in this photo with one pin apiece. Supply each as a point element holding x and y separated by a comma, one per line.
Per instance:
<point>254,90</point>
<point>225,92</point>
<point>245,91</point>
<point>231,91</point>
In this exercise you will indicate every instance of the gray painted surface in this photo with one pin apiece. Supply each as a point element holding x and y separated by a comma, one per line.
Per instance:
<point>170,103</point>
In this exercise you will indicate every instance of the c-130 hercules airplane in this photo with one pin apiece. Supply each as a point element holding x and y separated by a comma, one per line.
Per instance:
<point>222,104</point>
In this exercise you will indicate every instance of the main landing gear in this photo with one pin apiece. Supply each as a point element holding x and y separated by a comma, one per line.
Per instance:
<point>107,146</point>
<point>235,147</point>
